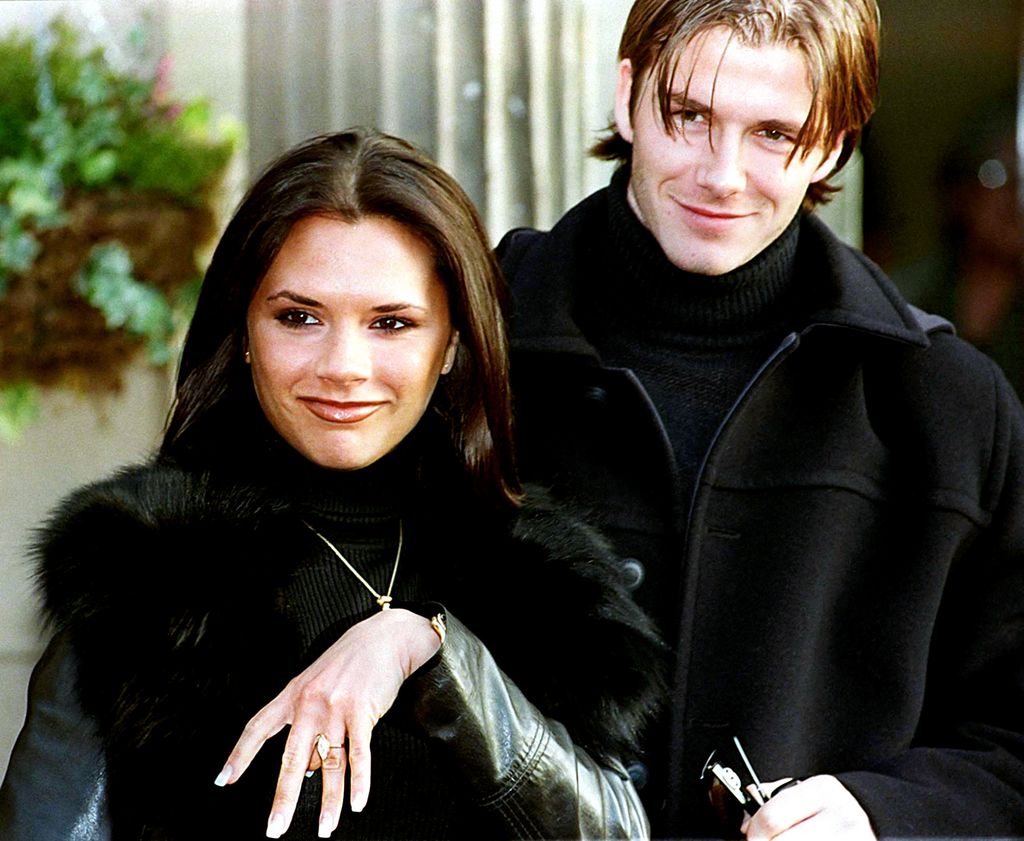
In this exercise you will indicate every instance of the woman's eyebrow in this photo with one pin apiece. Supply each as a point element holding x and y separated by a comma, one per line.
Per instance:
<point>295,297</point>
<point>397,307</point>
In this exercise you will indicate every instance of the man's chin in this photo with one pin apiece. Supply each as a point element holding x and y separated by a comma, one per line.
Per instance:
<point>709,264</point>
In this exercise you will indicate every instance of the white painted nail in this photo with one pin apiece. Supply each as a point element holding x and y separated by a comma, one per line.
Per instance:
<point>275,828</point>
<point>223,777</point>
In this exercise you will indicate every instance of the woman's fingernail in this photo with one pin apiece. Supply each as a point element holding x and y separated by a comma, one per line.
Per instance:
<point>223,777</point>
<point>358,800</point>
<point>326,828</point>
<point>275,827</point>
<point>310,774</point>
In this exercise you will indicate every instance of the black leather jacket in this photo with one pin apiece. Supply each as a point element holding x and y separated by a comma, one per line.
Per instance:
<point>527,775</point>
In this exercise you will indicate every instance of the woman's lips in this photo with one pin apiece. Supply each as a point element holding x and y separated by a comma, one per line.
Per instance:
<point>335,412</point>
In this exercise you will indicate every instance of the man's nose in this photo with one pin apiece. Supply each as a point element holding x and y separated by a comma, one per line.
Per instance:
<point>721,170</point>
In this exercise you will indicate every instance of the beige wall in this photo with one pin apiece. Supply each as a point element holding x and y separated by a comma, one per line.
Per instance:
<point>77,438</point>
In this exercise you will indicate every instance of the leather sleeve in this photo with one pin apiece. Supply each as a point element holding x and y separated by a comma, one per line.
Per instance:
<point>519,764</point>
<point>54,789</point>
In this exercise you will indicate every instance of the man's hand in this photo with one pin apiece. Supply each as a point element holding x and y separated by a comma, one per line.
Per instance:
<point>817,808</point>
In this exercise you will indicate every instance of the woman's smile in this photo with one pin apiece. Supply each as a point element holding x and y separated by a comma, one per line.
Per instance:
<point>340,412</point>
<point>349,331</point>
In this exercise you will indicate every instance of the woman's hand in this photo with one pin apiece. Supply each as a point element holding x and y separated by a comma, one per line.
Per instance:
<point>341,696</point>
<point>819,807</point>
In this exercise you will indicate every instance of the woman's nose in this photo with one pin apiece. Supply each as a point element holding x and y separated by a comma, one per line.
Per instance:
<point>345,356</point>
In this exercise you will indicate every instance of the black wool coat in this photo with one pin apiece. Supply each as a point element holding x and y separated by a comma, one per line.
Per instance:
<point>847,584</point>
<point>167,584</point>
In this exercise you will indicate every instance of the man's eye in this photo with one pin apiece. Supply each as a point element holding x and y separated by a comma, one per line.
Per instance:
<point>688,122</point>
<point>689,117</point>
<point>776,136</point>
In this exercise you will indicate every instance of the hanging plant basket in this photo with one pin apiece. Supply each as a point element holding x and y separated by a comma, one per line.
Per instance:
<point>50,334</point>
<point>105,184</point>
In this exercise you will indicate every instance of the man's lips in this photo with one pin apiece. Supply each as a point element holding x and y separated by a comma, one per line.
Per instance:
<point>709,213</point>
<point>335,411</point>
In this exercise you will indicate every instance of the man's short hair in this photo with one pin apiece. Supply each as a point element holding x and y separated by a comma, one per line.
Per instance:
<point>838,38</point>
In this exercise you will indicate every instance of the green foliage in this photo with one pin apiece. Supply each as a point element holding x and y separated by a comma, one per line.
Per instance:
<point>19,407</point>
<point>106,281</point>
<point>67,110</point>
<point>18,105</point>
<point>71,123</point>
<point>31,201</point>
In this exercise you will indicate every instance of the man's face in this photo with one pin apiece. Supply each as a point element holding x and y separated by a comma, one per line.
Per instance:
<point>722,187</point>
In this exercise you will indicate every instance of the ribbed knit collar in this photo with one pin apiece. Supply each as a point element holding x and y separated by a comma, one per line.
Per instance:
<point>366,496</point>
<point>644,291</point>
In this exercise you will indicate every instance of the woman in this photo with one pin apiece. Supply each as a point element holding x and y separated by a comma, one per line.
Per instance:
<point>336,467</point>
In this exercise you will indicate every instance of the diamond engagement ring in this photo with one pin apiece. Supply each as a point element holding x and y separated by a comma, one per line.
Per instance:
<point>330,755</point>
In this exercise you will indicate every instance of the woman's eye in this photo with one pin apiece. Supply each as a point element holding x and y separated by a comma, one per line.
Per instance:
<point>296,318</point>
<point>390,323</point>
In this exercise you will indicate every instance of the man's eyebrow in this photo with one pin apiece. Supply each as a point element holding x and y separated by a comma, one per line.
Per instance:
<point>681,102</point>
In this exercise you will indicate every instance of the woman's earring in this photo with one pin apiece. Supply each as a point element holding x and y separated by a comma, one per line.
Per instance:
<point>248,358</point>
<point>449,355</point>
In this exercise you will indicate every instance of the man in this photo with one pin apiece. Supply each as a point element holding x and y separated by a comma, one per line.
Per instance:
<point>815,489</point>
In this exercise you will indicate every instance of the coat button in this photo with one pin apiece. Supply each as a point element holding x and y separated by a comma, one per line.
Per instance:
<point>596,394</point>
<point>632,573</point>
<point>638,774</point>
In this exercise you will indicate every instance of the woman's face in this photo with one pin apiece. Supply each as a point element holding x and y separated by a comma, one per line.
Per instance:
<point>348,332</point>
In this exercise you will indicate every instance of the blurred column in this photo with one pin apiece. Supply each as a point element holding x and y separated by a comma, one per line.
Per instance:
<point>1020,114</point>
<point>459,61</point>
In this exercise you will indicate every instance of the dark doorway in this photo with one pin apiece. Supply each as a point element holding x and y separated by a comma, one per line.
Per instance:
<point>940,209</point>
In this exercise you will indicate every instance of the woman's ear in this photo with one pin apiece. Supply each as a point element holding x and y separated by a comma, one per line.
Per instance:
<point>450,351</point>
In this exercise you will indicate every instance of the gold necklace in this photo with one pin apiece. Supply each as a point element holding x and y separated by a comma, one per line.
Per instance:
<point>383,600</point>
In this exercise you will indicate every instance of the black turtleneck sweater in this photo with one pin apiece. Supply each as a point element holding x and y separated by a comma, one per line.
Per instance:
<point>694,341</point>
<point>359,512</point>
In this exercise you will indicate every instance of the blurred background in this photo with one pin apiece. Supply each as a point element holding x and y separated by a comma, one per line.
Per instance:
<point>197,95</point>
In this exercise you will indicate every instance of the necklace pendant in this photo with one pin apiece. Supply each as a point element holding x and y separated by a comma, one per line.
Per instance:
<point>385,600</point>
